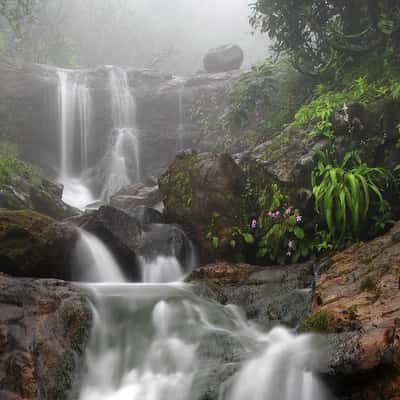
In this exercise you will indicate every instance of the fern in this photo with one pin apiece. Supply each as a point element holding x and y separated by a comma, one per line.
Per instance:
<point>344,194</point>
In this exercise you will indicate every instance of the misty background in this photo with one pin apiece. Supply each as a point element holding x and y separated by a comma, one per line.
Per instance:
<point>171,35</point>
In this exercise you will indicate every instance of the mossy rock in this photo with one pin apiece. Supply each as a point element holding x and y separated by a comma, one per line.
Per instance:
<point>198,187</point>
<point>34,245</point>
<point>320,322</point>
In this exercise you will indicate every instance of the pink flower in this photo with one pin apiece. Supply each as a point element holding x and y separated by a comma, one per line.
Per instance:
<point>289,210</point>
<point>299,218</point>
<point>270,214</point>
<point>277,214</point>
<point>253,224</point>
<point>289,253</point>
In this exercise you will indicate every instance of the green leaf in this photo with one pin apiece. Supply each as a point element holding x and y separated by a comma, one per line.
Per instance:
<point>248,238</point>
<point>299,232</point>
<point>215,242</point>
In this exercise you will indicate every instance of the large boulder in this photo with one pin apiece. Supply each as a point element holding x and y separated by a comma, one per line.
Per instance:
<point>136,195</point>
<point>268,295</point>
<point>357,301</point>
<point>34,245</point>
<point>136,240</point>
<point>204,193</point>
<point>44,327</point>
<point>43,196</point>
<point>223,58</point>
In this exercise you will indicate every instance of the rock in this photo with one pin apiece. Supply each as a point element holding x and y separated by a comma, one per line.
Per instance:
<point>203,191</point>
<point>132,241</point>
<point>359,294</point>
<point>34,245</point>
<point>223,58</point>
<point>130,197</point>
<point>44,327</point>
<point>268,295</point>
<point>120,232</point>
<point>145,215</point>
<point>44,197</point>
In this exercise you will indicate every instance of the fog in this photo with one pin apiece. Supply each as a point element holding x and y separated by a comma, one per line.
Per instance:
<point>168,35</point>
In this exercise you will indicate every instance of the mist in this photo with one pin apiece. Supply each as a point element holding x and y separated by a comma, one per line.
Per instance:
<point>170,36</point>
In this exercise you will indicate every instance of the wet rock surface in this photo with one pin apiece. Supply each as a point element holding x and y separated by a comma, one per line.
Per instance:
<point>45,198</point>
<point>44,327</point>
<point>269,295</point>
<point>136,195</point>
<point>136,236</point>
<point>203,191</point>
<point>359,295</point>
<point>34,245</point>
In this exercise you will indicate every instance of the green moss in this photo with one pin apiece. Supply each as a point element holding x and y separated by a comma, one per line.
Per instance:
<point>60,384</point>
<point>319,322</point>
<point>176,185</point>
<point>11,167</point>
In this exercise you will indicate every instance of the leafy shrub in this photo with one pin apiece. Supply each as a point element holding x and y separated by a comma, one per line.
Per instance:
<point>11,166</point>
<point>347,194</point>
<point>363,90</point>
<point>277,234</point>
<point>267,97</point>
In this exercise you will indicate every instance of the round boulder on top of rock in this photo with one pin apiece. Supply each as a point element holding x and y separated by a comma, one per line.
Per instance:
<point>223,58</point>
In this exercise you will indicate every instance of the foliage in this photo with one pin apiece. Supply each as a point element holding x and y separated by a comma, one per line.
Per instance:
<point>319,322</point>
<point>348,195</point>
<point>266,97</point>
<point>11,166</point>
<point>325,36</point>
<point>251,94</point>
<point>363,90</point>
<point>277,233</point>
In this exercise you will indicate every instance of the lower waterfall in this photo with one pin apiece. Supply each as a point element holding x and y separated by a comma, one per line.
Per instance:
<point>160,341</point>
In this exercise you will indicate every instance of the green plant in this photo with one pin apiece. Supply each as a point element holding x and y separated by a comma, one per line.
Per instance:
<point>277,233</point>
<point>346,194</point>
<point>320,322</point>
<point>11,166</point>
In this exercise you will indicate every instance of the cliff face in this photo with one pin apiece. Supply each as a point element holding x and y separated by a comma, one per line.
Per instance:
<point>172,113</point>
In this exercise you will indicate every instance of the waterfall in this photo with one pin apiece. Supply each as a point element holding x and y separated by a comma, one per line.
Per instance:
<point>160,341</point>
<point>157,341</point>
<point>75,109</point>
<point>93,262</point>
<point>123,165</point>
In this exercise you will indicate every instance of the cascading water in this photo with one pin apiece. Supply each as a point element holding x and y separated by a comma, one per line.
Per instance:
<point>93,262</point>
<point>122,160</point>
<point>75,129</point>
<point>123,165</point>
<point>157,341</point>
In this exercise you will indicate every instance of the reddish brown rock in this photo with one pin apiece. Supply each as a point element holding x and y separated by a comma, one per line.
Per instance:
<point>360,293</point>
<point>223,274</point>
<point>44,327</point>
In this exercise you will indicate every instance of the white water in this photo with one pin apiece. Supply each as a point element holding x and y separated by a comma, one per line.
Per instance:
<point>93,262</point>
<point>123,166</point>
<point>75,114</point>
<point>161,270</point>
<point>159,341</point>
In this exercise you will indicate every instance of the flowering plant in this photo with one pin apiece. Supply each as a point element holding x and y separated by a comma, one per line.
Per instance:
<point>277,233</point>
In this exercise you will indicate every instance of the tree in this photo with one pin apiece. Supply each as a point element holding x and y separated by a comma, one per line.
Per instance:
<point>317,32</point>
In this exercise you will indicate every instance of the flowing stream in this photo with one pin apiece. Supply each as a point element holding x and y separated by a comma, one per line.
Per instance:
<point>157,340</point>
